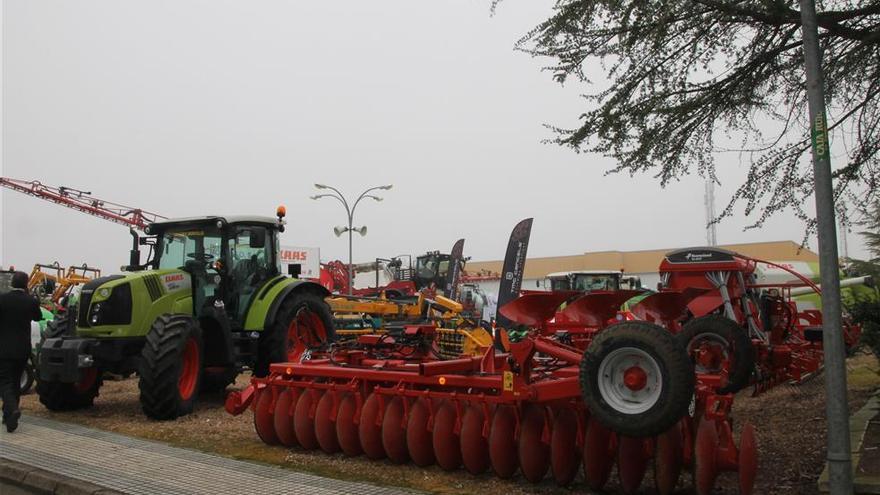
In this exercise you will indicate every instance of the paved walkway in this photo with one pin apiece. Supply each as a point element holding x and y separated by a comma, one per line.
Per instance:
<point>136,467</point>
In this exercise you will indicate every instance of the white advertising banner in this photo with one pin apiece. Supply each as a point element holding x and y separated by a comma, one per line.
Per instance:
<point>309,260</point>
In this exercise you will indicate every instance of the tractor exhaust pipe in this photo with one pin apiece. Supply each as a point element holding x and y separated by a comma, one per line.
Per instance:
<point>134,260</point>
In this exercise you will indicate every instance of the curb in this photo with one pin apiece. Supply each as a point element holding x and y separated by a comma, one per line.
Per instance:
<point>858,427</point>
<point>45,482</point>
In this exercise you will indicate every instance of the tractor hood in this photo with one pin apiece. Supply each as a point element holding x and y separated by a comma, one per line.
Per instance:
<point>119,305</point>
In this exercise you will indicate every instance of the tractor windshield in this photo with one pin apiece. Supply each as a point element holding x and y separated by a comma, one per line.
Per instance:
<point>591,282</point>
<point>189,246</point>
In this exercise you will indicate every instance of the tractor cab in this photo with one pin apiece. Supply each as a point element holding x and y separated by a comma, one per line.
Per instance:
<point>431,270</point>
<point>226,259</point>
<point>591,280</point>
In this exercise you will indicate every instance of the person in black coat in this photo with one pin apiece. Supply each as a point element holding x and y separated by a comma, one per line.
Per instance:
<point>17,310</point>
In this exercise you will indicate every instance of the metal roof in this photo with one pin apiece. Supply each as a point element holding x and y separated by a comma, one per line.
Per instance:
<point>230,219</point>
<point>583,272</point>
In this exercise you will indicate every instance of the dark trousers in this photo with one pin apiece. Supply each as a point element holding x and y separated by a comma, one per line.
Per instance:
<point>10,383</point>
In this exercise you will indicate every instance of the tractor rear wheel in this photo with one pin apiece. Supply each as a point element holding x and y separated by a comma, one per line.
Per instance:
<point>636,379</point>
<point>60,396</point>
<point>715,342</point>
<point>303,323</point>
<point>171,367</point>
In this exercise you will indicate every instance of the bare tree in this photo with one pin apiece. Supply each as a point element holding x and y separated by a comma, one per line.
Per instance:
<point>687,79</point>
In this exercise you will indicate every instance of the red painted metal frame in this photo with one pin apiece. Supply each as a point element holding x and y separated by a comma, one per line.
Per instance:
<point>84,202</point>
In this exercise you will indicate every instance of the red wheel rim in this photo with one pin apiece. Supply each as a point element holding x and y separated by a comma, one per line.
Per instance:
<point>705,447</point>
<point>632,463</point>
<point>564,455</point>
<point>86,380</point>
<point>189,369</point>
<point>306,331</point>
<point>598,456</point>
<point>748,459</point>
<point>668,460</point>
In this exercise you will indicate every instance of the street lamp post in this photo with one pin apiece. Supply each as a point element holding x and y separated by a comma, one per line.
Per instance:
<point>349,212</point>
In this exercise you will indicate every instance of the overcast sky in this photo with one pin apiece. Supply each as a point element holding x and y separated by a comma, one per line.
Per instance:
<point>190,107</point>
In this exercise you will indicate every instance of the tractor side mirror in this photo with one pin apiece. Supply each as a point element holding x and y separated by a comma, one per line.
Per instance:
<point>257,238</point>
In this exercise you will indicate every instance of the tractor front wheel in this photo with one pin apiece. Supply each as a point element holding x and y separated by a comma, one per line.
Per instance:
<point>303,323</point>
<point>60,396</point>
<point>636,379</point>
<point>171,367</point>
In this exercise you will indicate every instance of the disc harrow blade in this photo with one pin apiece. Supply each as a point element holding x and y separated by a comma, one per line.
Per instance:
<point>283,419</point>
<point>447,447</point>
<point>565,459</point>
<point>418,438</point>
<point>668,460</point>
<point>369,430</point>
<point>474,447</point>
<point>303,422</point>
<point>393,432</point>
<point>534,453</point>
<point>325,424</point>
<point>598,455</point>
<point>632,463</point>
<point>346,428</point>
<point>264,417</point>
<point>748,459</point>
<point>502,442</point>
<point>705,457</point>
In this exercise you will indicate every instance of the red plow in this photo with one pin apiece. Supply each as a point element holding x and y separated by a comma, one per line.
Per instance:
<point>589,386</point>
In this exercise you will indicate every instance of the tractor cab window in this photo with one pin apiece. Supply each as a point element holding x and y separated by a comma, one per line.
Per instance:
<point>560,284</point>
<point>194,251</point>
<point>426,267</point>
<point>252,262</point>
<point>583,282</point>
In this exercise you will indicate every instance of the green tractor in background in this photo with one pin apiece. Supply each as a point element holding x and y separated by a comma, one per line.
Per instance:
<point>210,302</point>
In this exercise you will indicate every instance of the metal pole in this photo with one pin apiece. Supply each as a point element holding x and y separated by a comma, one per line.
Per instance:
<point>837,408</point>
<point>350,262</point>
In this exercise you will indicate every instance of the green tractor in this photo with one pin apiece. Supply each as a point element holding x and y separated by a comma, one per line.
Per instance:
<point>210,302</point>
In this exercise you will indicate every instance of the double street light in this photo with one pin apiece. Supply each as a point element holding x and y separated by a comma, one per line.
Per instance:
<point>349,211</point>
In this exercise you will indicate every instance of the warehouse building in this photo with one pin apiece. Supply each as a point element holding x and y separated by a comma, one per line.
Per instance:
<point>644,264</point>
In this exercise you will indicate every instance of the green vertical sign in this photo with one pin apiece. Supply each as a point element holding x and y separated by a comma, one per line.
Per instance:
<point>820,137</point>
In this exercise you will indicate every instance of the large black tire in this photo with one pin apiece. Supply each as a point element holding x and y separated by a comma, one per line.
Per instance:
<point>665,392</point>
<point>58,396</point>
<point>61,326</point>
<point>27,377</point>
<point>171,367</point>
<point>740,353</point>
<point>282,342</point>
